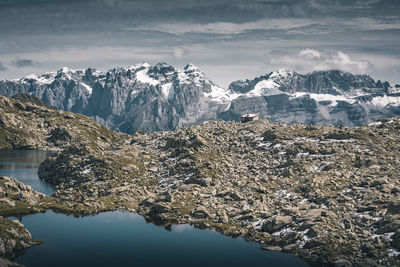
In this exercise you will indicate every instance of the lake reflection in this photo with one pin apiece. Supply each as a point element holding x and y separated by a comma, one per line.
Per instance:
<point>125,239</point>
<point>23,165</point>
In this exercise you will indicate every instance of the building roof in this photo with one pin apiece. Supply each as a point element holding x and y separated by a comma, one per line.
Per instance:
<point>250,115</point>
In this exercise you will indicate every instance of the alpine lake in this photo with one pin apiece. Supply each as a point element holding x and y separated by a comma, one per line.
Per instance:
<point>121,238</point>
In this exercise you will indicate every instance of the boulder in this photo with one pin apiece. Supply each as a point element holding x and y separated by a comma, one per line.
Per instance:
<point>310,215</point>
<point>236,196</point>
<point>276,224</point>
<point>270,248</point>
<point>200,213</point>
<point>379,181</point>
<point>203,181</point>
<point>394,207</point>
<point>389,226</point>
<point>396,240</point>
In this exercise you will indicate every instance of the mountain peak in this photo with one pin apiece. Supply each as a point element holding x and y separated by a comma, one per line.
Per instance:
<point>281,73</point>
<point>144,65</point>
<point>65,69</point>
<point>191,68</point>
<point>163,68</point>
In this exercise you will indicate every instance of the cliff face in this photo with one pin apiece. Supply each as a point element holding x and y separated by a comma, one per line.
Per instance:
<point>140,97</point>
<point>319,82</point>
<point>162,97</point>
<point>320,98</point>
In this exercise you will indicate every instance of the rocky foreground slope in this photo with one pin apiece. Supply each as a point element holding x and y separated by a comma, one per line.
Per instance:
<point>328,194</point>
<point>27,123</point>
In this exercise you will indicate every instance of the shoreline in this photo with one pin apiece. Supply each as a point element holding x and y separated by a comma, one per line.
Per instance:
<point>328,194</point>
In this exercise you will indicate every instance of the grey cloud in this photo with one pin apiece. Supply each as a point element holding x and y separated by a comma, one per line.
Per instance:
<point>2,67</point>
<point>235,33</point>
<point>69,16</point>
<point>20,63</point>
<point>310,59</point>
<point>180,52</point>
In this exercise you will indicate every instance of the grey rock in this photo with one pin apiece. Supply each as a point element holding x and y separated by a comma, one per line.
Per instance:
<point>389,226</point>
<point>271,248</point>
<point>236,196</point>
<point>342,263</point>
<point>201,213</point>
<point>277,223</point>
<point>396,240</point>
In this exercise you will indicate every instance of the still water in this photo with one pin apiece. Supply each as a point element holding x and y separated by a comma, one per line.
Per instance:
<point>23,165</point>
<point>125,239</point>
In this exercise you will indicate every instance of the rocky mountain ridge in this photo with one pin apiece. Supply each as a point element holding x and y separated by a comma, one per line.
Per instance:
<point>320,98</point>
<point>162,97</point>
<point>139,97</point>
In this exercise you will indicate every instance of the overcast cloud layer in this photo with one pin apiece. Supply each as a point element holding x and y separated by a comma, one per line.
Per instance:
<point>228,39</point>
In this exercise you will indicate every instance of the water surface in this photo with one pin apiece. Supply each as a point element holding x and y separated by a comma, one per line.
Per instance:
<point>23,165</point>
<point>124,239</point>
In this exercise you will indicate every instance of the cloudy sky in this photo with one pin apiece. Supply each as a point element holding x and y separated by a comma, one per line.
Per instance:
<point>228,39</point>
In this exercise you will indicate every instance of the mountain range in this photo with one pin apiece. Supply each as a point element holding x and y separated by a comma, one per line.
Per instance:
<point>162,97</point>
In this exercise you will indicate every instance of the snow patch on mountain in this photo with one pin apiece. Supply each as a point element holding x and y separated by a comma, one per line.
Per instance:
<point>166,89</point>
<point>87,87</point>
<point>383,101</point>
<point>221,95</point>
<point>183,78</point>
<point>44,79</point>
<point>326,97</point>
<point>142,77</point>
<point>264,88</point>
<point>281,74</point>
<point>196,75</point>
<point>138,66</point>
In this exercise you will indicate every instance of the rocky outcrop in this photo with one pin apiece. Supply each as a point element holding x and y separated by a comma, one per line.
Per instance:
<point>14,237</point>
<point>16,198</point>
<point>28,123</point>
<point>8,263</point>
<point>14,193</point>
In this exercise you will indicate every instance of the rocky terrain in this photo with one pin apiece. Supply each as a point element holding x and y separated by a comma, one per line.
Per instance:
<point>162,97</point>
<point>14,237</point>
<point>328,194</point>
<point>27,123</point>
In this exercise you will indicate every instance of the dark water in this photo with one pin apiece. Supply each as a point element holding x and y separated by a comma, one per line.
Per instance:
<point>125,239</point>
<point>23,165</point>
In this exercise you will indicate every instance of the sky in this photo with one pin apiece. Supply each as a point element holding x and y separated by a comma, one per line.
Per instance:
<point>227,39</point>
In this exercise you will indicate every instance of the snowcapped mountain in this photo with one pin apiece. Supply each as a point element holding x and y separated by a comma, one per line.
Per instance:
<point>139,97</point>
<point>321,97</point>
<point>162,97</point>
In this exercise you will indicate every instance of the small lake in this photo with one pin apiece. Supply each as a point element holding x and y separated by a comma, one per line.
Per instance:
<point>124,239</point>
<point>23,165</point>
